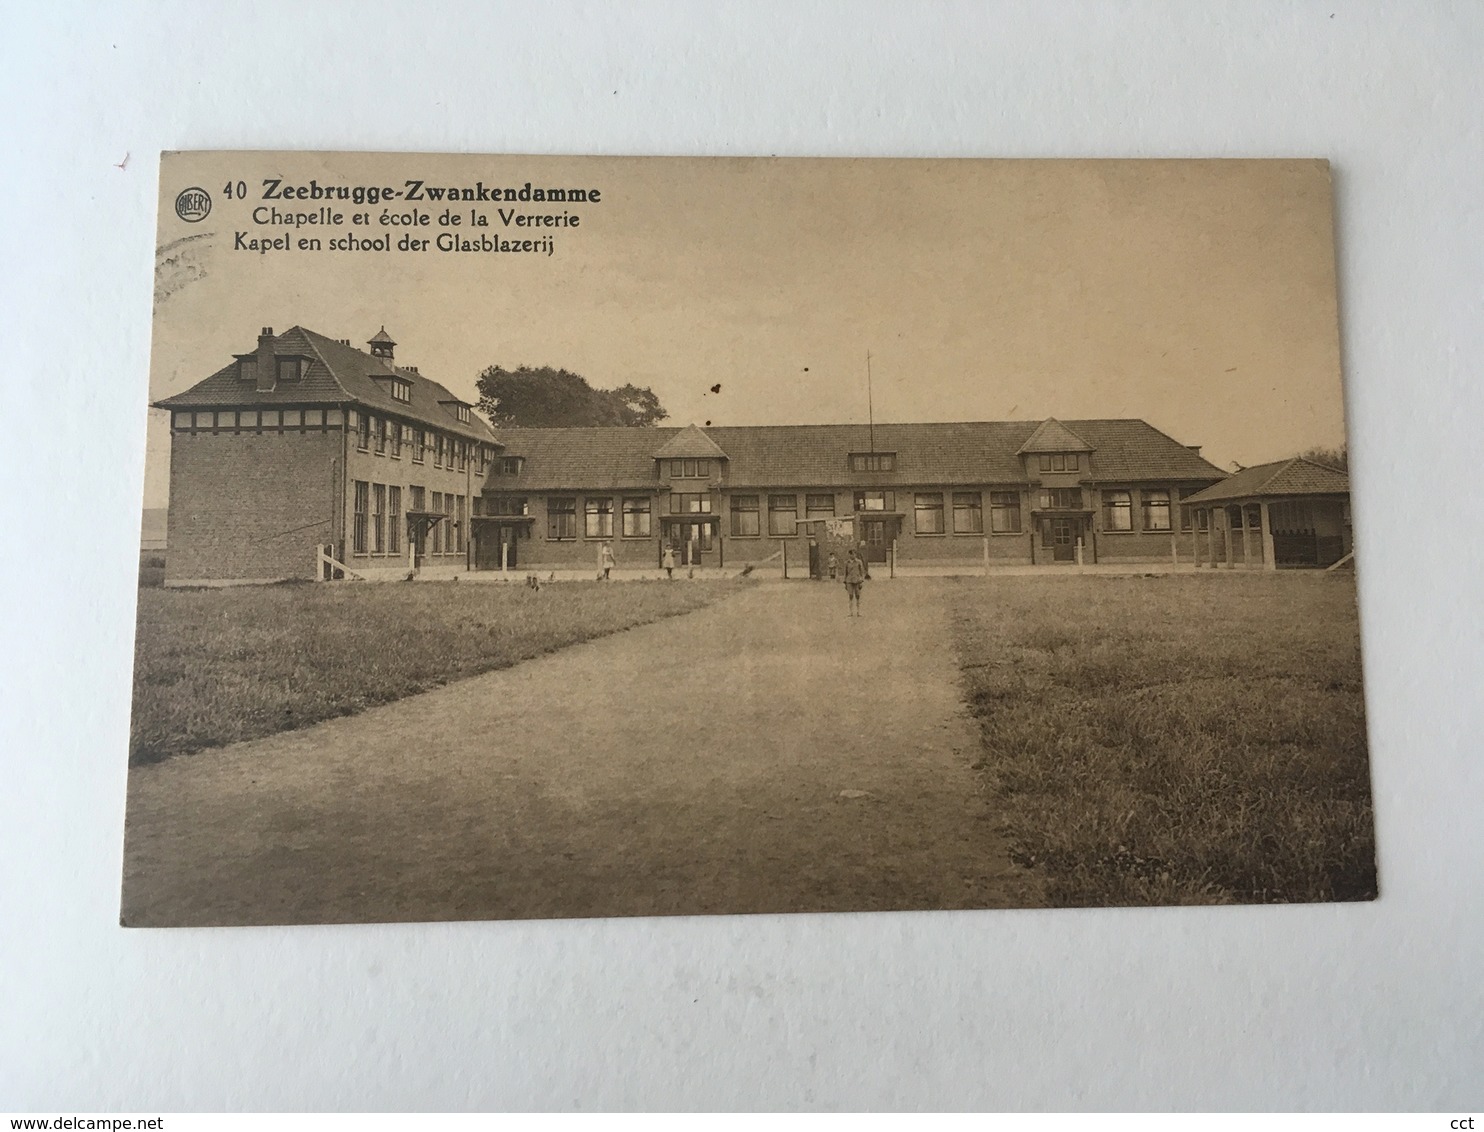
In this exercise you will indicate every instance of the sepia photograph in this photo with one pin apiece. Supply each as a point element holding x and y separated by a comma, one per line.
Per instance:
<point>556,537</point>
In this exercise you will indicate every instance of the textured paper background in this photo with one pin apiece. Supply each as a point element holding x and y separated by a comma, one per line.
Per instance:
<point>1314,1007</point>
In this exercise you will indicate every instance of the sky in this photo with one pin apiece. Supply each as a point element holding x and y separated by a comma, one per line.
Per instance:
<point>1196,295</point>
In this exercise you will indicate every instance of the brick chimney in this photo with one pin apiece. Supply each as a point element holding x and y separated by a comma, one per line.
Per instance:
<point>267,361</point>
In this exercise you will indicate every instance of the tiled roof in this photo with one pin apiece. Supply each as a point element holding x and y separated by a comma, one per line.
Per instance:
<point>1053,436</point>
<point>337,374</point>
<point>689,441</point>
<point>983,452</point>
<point>1296,476</point>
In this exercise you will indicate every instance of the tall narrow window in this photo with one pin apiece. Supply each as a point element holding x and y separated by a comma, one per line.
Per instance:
<point>968,513</point>
<point>561,517</point>
<point>363,433</point>
<point>927,513</point>
<point>438,451</point>
<point>636,517</point>
<point>381,436</point>
<point>419,445</point>
<point>394,520</point>
<point>437,508</point>
<point>378,518</point>
<point>463,455</point>
<point>745,521</point>
<point>1004,512</point>
<point>1118,511</point>
<point>783,514</point>
<point>1156,509</point>
<point>598,518</point>
<point>396,440</point>
<point>458,524</point>
<point>362,506</point>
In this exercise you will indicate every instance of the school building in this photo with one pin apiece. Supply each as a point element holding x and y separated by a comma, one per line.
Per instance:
<point>305,457</point>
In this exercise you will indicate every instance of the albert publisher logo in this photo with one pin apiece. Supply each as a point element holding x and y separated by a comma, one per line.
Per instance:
<point>193,205</point>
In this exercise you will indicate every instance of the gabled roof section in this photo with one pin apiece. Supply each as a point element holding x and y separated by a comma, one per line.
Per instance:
<point>1296,476</point>
<point>338,374</point>
<point>689,441</point>
<point>1053,436</point>
<point>803,456</point>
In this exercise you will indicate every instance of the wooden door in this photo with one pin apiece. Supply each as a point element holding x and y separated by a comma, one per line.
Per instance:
<point>877,539</point>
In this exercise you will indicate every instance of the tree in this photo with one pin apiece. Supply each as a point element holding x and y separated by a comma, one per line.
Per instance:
<point>1333,457</point>
<point>543,397</point>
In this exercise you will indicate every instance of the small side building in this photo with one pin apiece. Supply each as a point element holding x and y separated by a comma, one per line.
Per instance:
<point>1290,513</point>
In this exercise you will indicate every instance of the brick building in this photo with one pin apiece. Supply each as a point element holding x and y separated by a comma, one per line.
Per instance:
<point>1010,492</point>
<point>305,456</point>
<point>306,442</point>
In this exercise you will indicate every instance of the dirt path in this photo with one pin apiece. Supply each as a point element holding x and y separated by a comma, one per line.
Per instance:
<point>766,754</point>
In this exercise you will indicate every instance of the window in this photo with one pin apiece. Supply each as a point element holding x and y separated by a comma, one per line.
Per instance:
<point>509,505</point>
<point>419,498</point>
<point>358,528</point>
<point>1061,499</point>
<point>458,523</point>
<point>745,519</point>
<point>419,445</point>
<point>819,506</point>
<point>463,455</point>
<point>783,514</point>
<point>1187,518</point>
<point>462,412</point>
<point>1156,509</point>
<point>291,369</point>
<point>690,503</point>
<point>381,436</point>
<point>511,465</point>
<point>401,390</point>
<point>437,528</point>
<point>1004,512</point>
<point>247,369</point>
<point>1254,517</point>
<point>927,513</point>
<point>396,438</point>
<point>394,520</point>
<point>363,432</point>
<point>378,518</point>
<point>690,469</point>
<point>1118,511</point>
<point>968,513</point>
<point>1060,462</point>
<point>561,518</point>
<point>597,518</point>
<point>636,517</point>
<point>874,501</point>
<point>873,461</point>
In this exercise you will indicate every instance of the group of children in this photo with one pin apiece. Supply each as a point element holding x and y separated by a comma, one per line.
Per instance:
<point>856,572</point>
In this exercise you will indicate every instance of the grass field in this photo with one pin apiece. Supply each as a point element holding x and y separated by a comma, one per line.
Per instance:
<point>1176,739</point>
<point>217,666</point>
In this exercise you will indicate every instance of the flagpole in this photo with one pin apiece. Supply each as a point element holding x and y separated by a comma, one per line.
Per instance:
<point>870,406</point>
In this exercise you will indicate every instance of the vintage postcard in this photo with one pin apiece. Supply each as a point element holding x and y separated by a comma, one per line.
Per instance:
<point>537,537</point>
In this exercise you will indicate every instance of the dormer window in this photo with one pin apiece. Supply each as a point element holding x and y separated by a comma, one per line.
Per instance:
<point>292,369</point>
<point>511,465</point>
<point>401,390</point>
<point>690,469</point>
<point>462,412</point>
<point>1060,462</point>
<point>247,369</point>
<point>873,461</point>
